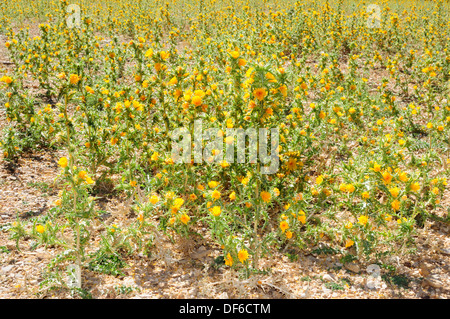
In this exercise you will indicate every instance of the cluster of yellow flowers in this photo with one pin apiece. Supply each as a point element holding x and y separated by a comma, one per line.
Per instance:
<point>363,114</point>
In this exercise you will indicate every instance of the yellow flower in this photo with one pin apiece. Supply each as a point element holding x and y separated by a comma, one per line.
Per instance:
<point>229,260</point>
<point>196,100</point>
<point>6,79</point>
<point>362,220</point>
<point>387,177</point>
<point>82,175</point>
<point>213,184</point>
<point>185,219</point>
<point>415,186</point>
<point>63,162</point>
<point>154,156</point>
<point>216,194</point>
<point>233,196</point>
<point>243,255</point>
<point>394,191</point>
<point>154,199</point>
<point>173,81</point>
<point>149,53</point>
<point>319,179</point>
<point>260,93</point>
<point>403,177</point>
<point>435,190</point>
<point>284,225</point>
<point>349,243</point>
<point>164,55</point>
<point>276,191</point>
<point>234,54</point>
<point>270,77</point>
<point>395,204</point>
<point>289,234</point>
<point>301,217</point>
<point>376,167</point>
<point>178,202</point>
<point>74,79</point>
<point>216,210</point>
<point>40,229</point>
<point>265,196</point>
<point>350,188</point>
<point>349,225</point>
<point>365,195</point>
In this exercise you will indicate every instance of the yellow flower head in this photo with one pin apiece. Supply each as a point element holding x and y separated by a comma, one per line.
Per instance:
<point>265,196</point>
<point>213,184</point>
<point>216,194</point>
<point>216,210</point>
<point>154,199</point>
<point>284,225</point>
<point>349,243</point>
<point>74,79</point>
<point>362,220</point>
<point>234,54</point>
<point>40,229</point>
<point>394,191</point>
<point>260,94</point>
<point>229,260</point>
<point>63,162</point>
<point>185,219</point>
<point>243,255</point>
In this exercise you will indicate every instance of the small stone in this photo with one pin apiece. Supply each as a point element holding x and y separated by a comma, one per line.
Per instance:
<point>129,282</point>
<point>200,253</point>
<point>433,281</point>
<point>352,267</point>
<point>424,270</point>
<point>328,278</point>
<point>7,268</point>
<point>445,251</point>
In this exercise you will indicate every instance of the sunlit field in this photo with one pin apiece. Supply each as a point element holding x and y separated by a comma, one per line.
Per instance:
<point>141,106</point>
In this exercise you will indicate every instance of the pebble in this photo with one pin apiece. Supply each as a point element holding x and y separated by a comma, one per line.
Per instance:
<point>352,267</point>
<point>433,281</point>
<point>7,268</point>
<point>129,282</point>
<point>328,278</point>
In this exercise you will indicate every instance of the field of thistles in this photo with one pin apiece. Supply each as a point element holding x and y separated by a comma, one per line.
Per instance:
<point>209,148</point>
